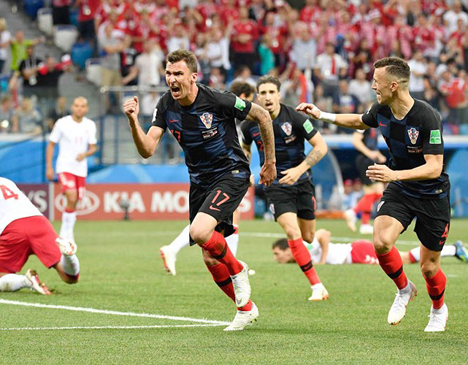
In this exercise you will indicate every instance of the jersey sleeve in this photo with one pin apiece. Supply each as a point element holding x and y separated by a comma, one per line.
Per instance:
<point>245,131</point>
<point>92,135</point>
<point>433,143</point>
<point>233,106</point>
<point>304,125</point>
<point>370,116</point>
<point>158,115</point>
<point>56,132</point>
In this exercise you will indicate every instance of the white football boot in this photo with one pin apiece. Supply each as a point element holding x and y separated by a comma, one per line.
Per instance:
<point>366,229</point>
<point>437,320</point>
<point>169,259</point>
<point>35,283</point>
<point>243,318</point>
<point>398,309</point>
<point>318,293</point>
<point>67,248</point>
<point>351,219</point>
<point>241,285</point>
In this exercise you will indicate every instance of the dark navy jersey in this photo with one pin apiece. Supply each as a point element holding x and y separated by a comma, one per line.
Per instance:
<point>291,128</point>
<point>419,133</point>
<point>206,131</point>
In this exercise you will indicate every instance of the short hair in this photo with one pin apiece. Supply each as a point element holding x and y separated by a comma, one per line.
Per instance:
<point>396,67</point>
<point>282,244</point>
<point>240,87</point>
<point>183,55</point>
<point>268,79</point>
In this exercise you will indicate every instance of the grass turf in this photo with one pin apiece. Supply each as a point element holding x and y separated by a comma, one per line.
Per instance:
<point>121,271</point>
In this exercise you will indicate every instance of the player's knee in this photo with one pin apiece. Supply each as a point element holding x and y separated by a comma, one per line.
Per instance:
<point>429,268</point>
<point>292,232</point>
<point>381,245</point>
<point>308,236</point>
<point>200,235</point>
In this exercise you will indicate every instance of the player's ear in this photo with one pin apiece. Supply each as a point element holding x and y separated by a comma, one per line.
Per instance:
<point>194,77</point>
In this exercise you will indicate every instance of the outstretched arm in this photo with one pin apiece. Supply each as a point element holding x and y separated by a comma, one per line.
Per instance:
<point>145,143</point>
<point>261,116</point>
<point>352,121</point>
<point>49,156</point>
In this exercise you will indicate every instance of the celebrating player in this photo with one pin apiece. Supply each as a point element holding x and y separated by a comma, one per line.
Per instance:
<point>25,231</point>
<point>418,186</point>
<point>202,120</point>
<point>76,136</point>
<point>292,195</point>
<point>169,252</point>
<point>323,251</point>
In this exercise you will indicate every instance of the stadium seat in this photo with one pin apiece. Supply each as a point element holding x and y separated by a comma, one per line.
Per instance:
<point>80,53</point>
<point>31,7</point>
<point>93,71</point>
<point>464,129</point>
<point>44,20</point>
<point>65,36</point>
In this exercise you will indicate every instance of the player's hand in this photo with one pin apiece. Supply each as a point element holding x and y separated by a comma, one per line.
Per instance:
<point>381,173</point>
<point>251,180</point>
<point>309,109</point>
<point>268,173</point>
<point>81,157</point>
<point>50,173</point>
<point>290,176</point>
<point>131,108</point>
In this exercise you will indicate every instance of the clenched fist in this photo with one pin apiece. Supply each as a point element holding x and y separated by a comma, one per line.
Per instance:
<point>131,108</point>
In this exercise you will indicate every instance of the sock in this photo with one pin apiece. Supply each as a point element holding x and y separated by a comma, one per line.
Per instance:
<point>233,240</point>
<point>219,250</point>
<point>393,266</point>
<point>182,240</point>
<point>222,278</point>
<point>304,260</point>
<point>448,250</point>
<point>68,223</point>
<point>415,255</point>
<point>13,282</point>
<point>71,265</point>
<point>436,288</point>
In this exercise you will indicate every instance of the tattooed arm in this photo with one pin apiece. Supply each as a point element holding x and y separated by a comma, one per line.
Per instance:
<point>318,151</point>
<point>261,116</point>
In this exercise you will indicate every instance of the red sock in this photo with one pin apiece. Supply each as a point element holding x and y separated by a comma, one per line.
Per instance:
<point>219,250</point>
<point>365,204</point>
<point>302,256</point>
<point>393,266</point>
<point>222,278</point>
<point>436,288</point>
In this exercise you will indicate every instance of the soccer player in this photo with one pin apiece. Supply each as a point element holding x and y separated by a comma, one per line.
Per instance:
<point>169,252</point>
<point>76,136</point>
<point>365,141</point>
<point>418,186</point>
<point>202,120</point>
<point>292,195</point>
<point>323,251</point>
<point>25,231</point>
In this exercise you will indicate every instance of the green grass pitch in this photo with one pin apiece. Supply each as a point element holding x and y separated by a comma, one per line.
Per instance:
<point>121,271</point>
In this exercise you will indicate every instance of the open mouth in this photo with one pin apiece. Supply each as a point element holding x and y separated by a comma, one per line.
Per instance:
<point>175,90</point>
<point>268,104</point>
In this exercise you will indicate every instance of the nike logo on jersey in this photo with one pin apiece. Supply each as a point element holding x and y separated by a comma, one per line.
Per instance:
<point>255,134</point>
<point>174,120</point>
<point>382,125</point>
<point>213,208</point>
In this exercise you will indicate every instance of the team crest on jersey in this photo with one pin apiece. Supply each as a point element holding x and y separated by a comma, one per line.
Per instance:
<point>207,119</point>
<point>413,134</point>
<point>287,128</point>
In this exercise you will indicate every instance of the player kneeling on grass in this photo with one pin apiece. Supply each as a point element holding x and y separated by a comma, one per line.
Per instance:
<point>323,251</point>
<point>25,231</point>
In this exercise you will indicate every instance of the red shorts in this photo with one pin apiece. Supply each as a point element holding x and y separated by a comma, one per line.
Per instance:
<point>28,236</point>
<point>363,252</point>
<point>72,182</point>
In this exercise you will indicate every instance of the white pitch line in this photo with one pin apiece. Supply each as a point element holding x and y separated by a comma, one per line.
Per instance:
<point>101,311</point>
<point>105,327</point>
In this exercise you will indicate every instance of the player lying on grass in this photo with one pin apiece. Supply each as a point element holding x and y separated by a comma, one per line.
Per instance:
<point>323,251</point>
<point>24,231</point>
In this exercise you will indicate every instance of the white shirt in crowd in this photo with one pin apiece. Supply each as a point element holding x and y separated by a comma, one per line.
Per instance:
<point>14,204</point>
<point>362,90</point>
<point>73,138</point>
<point>148,65</point>
<point>330,66</point>
<point>416,83</point>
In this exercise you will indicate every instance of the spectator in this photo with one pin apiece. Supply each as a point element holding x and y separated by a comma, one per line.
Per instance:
<point>148,67</point>
<point>18,47</point>
<point>451,17</point>
<point>454,91</point>
<point>148,101</point>
<point>296,88</point>
<point>179,39</point>
<point>418,67</point>
<point>244,74</point>
<point>244,35</point>
<point>217,48</point>
<point>8,119</point>
<point>361,89</point>
<point>5,38</point>
<point>61,11</point>
<point>60,110</point>
<point>48,76</point>
<point>304,49</point>
<point>29,119</point>
<point>267,58</point>
<point>28,69</point>
<point>327,70</point>
<point>346,102</point>
<point>87,11</point>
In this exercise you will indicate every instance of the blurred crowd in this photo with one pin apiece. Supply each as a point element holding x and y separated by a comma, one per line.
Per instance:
<point>323,52</point>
